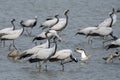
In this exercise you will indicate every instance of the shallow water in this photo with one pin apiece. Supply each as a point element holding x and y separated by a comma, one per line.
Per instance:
<point>82,13</point>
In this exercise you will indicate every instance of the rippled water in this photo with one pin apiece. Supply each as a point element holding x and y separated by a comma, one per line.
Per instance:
<point>83,13</point>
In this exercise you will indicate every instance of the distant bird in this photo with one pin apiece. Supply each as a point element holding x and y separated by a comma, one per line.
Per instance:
<point>84,55</point>
<point>43,55</point>
<point>5,30</point>
<point>111,57</point>
<point>62,55</point>
<point>62,23</point>
<point>50,22</point>
<point>30,23</point>
<point>113,44</point>
<point>50,35</point>
<point>107,22</point>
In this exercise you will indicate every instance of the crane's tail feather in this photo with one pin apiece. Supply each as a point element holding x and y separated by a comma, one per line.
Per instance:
<point>25,55</point>
<point>32,60</point>
<point>111,46</point>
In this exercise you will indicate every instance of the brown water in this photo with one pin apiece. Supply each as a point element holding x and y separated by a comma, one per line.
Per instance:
<point>83,13</point>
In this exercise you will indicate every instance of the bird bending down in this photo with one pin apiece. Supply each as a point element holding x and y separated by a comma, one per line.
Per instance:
<point>63,55</point>
<point>84,55</point>
<point>50,35</point>
<point>101,32</point>
<point>62,23</point>
<point>111,57</point>
<point>43,55</point>
<point>85,31</point>
<point>50,22</point>
<point>30,23</point>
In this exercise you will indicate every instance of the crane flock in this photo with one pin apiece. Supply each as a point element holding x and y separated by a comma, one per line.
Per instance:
<point>52,27</point>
